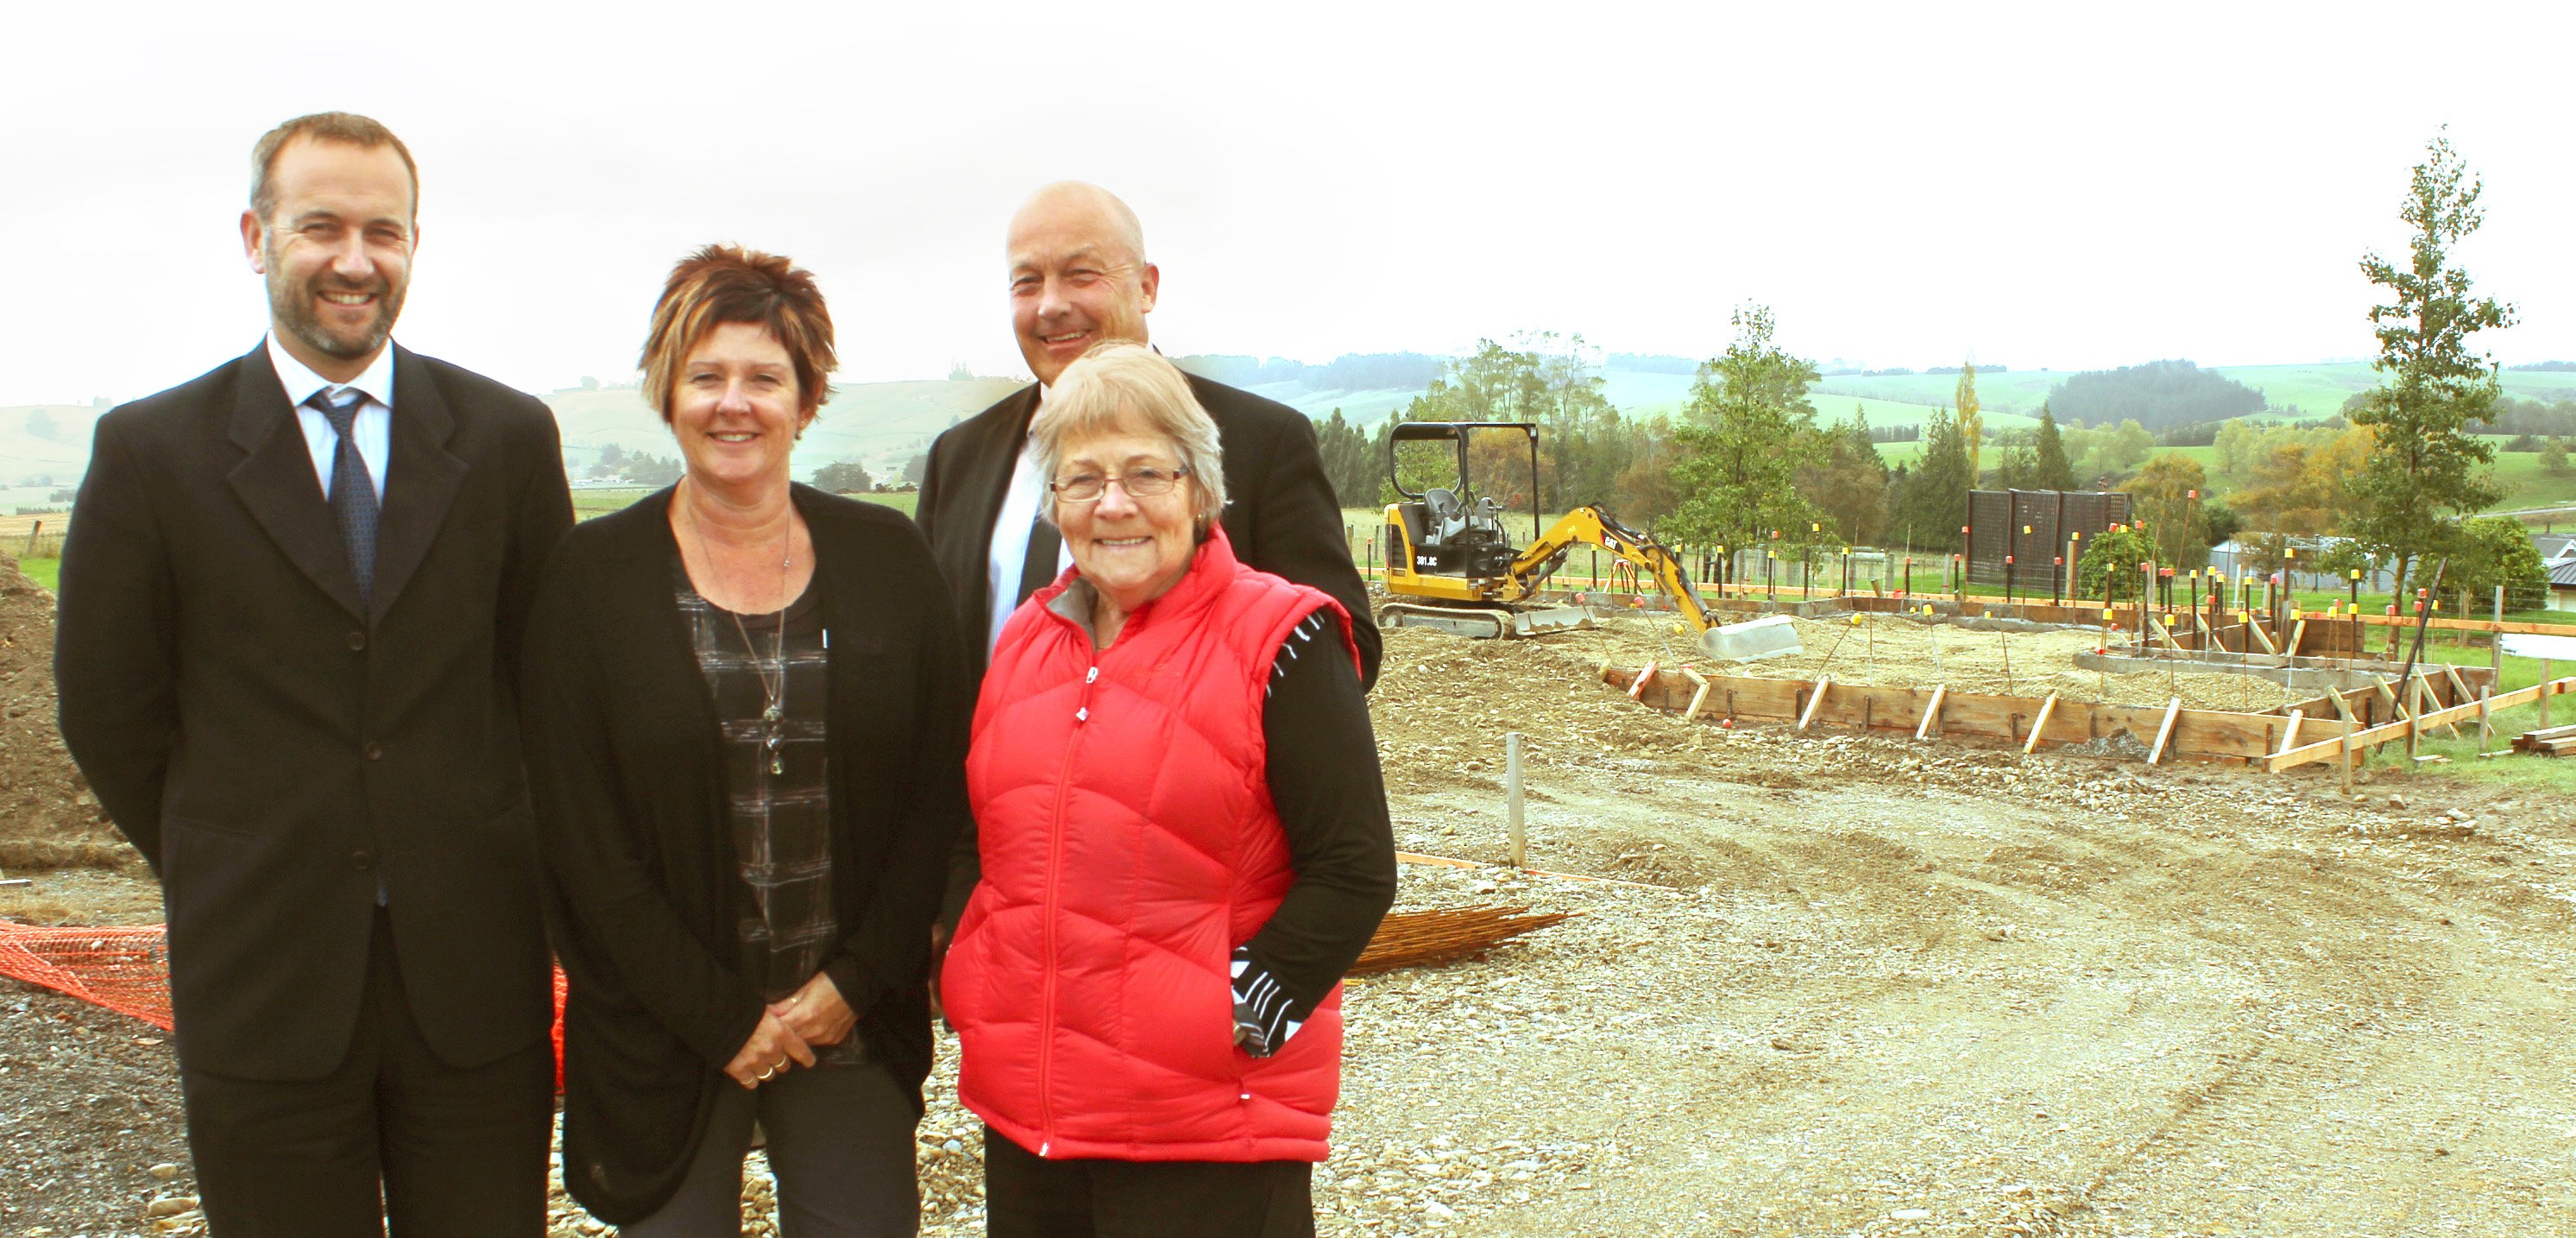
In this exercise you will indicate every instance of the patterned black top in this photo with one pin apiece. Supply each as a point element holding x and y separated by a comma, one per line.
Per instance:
<point>777,790</point>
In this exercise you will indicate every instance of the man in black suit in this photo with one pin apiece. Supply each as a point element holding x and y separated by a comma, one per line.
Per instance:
<point>291,605</point>
<point>1079,276</point>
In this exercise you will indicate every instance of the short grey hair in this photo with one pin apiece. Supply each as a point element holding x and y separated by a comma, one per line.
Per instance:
<point>1121,383</point>
<point>346,127</point>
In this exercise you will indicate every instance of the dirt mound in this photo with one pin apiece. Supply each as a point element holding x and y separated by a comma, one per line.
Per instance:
<point>48,818</point>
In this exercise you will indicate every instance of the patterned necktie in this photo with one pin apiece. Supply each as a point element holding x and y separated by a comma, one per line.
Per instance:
<point>353,490</point>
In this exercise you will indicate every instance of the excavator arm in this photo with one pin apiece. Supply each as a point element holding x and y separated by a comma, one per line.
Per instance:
<point>1592,526</point>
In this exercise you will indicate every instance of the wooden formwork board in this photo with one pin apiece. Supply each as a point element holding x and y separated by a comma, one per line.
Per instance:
<point>2398,730</point>
<point>2201,733</point>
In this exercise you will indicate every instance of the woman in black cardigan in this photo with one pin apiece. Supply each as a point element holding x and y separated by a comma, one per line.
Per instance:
<point>746,724</point>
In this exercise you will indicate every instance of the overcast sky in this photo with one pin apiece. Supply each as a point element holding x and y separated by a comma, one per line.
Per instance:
<point>2067,186</point>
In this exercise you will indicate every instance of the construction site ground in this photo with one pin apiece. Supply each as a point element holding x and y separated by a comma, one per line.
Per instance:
<point>1837,985</point>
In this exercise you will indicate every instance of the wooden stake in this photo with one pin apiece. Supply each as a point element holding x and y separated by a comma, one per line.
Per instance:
<point>2460,687</point>
<point>1697,698</point>
<point>1815,700</point>
<point>1512,791</point>
<point>2042,724</point>
<point>2486,719</point>
<point>1645,675</point>
<point>2351,725</point>
<point>2164,731</point>
<point>1931,712</point>
<point>2290,733</point>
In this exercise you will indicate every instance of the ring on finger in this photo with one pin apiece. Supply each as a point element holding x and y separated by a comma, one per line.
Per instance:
<point>767,1075</point>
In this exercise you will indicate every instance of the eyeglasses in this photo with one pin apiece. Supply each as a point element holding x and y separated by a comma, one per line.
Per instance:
<point>1139,483</point>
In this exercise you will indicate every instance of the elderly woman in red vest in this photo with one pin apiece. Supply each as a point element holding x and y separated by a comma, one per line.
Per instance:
<point>1183,844</point>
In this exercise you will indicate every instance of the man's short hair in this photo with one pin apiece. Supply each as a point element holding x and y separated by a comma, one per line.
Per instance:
<point>346,127</point>
<point>728,283</point>
<point>1122,382</point>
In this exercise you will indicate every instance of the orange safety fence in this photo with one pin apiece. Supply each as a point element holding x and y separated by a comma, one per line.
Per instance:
<point>127,970</point>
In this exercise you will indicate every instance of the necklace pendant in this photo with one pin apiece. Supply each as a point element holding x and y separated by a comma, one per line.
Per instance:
<point>777,764</point>
<point>772,714</point>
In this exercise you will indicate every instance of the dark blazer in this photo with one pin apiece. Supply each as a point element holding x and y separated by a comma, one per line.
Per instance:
<point>275,750</point>
<point>1280,511</point>
<point>628,768</point>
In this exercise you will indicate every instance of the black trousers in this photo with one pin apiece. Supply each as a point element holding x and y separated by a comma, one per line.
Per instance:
<point>840,1148</point>
<point>1026,1196</point>
<point>392,1135</point>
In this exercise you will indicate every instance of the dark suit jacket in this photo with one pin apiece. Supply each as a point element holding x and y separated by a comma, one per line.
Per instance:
<point>1280,511</point>
<point>628,766</point>
<point>274,749</point>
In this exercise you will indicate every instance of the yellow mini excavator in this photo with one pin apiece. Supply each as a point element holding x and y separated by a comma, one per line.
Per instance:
<point>1451,566</point>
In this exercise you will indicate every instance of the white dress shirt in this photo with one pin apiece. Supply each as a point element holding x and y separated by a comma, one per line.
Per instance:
<point>373,430</point>
<point>1011,535</point>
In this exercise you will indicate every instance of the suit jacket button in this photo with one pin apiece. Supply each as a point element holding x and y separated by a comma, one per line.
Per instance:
<point>362,860</point>
<point>374,751</point>
<point>357,641</point>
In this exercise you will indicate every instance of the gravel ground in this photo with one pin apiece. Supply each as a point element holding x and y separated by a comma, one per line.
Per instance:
<point>90,1129</point>
<point>1846,985</point>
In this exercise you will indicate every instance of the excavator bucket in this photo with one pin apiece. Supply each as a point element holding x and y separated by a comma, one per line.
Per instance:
<point>1768,637</point>
<point>1549,619</point>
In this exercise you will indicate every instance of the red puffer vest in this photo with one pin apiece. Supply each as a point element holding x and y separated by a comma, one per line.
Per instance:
<point>1129,844</point>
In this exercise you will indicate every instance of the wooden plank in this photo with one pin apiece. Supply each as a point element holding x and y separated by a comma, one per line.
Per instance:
<point>2470,625</point>
<point>2164,731</point>
<point>2386,732</point>
<point>1931,712</point>
<point>2290,733</point>
<point>2159,629</point>
<point>2260,634</point>
<point>1816,699</point>
<point>1698,698</point>
<point>2036,727</point>
<point>2298,632</point>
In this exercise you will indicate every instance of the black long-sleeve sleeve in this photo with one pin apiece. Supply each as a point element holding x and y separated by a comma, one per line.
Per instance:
<point>116,661</point>
<point>1331,797</point>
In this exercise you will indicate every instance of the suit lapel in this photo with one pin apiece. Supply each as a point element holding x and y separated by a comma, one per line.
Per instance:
<point>277,482</point>
<point>999,441</point>
<point>421,479</point>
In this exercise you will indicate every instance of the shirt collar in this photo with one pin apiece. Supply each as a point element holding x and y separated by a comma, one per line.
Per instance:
<point>377,383</point>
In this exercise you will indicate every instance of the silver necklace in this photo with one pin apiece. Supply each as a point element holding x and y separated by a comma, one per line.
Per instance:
<point>773,688</point>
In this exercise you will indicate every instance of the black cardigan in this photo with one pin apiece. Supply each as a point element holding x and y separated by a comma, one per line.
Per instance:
<point>626,764</point>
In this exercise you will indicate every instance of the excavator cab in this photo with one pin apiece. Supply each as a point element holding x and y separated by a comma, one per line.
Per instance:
<point>1452,531</point>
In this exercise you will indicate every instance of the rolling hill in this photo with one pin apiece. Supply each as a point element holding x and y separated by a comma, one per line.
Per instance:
<point>45,448</point>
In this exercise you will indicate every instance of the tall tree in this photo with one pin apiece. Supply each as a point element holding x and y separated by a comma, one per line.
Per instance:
<point>1843,474</point>
<point>1356,472</point>
<point>1932,498</point>
<point>2055,471</point>
<point>2166,495</point>
<point>1748,412</point>
<point>2426,466</point>
<point>1972,421</point>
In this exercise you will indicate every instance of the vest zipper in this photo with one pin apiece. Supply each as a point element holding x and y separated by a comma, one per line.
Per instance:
<point>1055,875</point>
